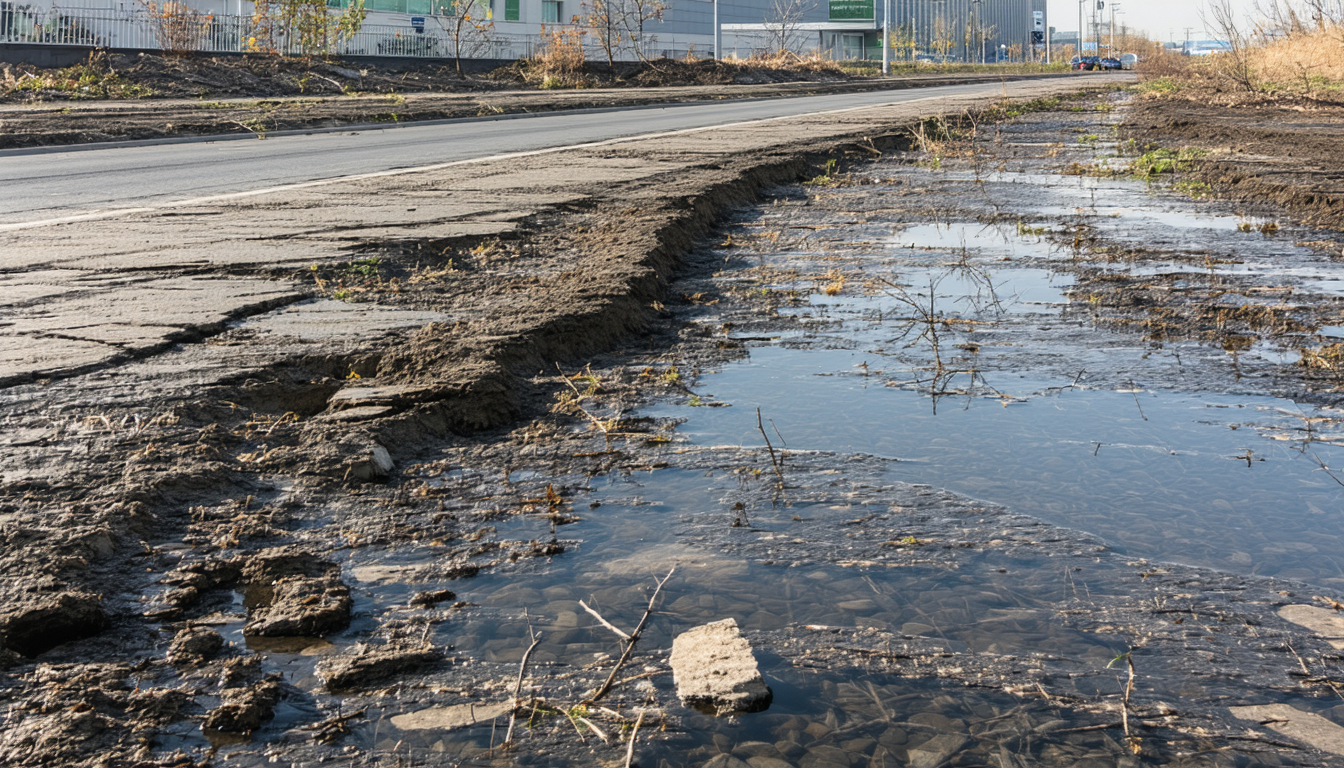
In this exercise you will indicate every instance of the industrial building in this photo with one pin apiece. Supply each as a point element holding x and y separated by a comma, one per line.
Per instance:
<point>951,30</point>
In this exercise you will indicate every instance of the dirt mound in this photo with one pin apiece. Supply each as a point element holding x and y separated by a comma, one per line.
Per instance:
<point>657,73</point>
<point>120,75</point>
<point>1284,154</point>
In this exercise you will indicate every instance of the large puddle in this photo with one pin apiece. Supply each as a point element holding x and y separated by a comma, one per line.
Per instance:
<point>901,353</point>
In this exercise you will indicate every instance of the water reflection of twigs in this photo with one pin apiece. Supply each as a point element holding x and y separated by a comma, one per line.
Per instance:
<point>926,325</point>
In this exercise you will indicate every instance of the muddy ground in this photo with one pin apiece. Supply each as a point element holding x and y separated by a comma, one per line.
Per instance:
<point>247,573</point>
<point>1281,153</point>
<point>121,97</point>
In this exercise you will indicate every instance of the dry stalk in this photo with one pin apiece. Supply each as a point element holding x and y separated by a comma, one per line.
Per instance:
<point>518,687</point>
<point>578,402</point>
<point>629,644</point>
<point>774,461</point>
<point>630,748</point>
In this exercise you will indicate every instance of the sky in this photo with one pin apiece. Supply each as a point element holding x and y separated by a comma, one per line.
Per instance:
<point>1162,19</point>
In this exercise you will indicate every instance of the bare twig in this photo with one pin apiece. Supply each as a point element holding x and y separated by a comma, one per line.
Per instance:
<point>518,687</point>
<point>774,461</point>
<point>629,644</point>
<point>603,621</point>
<point>630,748</point>
<point>578,402</point>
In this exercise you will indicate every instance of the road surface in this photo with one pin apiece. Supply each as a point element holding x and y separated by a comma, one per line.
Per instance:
<point>58,184</point>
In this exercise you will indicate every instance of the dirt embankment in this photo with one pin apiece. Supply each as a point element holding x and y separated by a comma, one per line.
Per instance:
<point>1285,153</point>
<point>119,97</point>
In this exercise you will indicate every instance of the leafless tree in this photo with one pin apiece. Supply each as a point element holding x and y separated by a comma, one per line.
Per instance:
<point>783,24</point>
<point>471,30</point>
<point>605,19</point>
<point>634,15</point>
<point>1222,18</point>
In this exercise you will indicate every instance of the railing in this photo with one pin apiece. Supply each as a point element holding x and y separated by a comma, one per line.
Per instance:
<point>208,33</point>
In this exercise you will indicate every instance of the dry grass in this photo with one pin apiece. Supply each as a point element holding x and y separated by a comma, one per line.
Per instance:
<point>1307,60</point>
<point>1305,64</point>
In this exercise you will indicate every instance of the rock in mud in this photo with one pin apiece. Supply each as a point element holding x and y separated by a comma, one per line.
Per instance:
<point>296,593</point>
<point>714,670</point>
<point>34,625</point>
<point>374,664</point>
<point>302,607</point>
<point>195,645</point>
<point>244,709</point>
<point>432,598</point>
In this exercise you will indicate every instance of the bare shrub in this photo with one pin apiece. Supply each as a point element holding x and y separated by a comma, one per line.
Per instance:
<point>178,27</point>
<point>559,61</point>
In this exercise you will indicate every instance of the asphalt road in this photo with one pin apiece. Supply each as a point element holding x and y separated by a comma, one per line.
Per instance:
<point>59,184</point>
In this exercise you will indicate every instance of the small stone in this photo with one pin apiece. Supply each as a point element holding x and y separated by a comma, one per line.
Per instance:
<point>714,670</point>
<point>935,751</point>
<point>750,749</point>
<point>768,762</point>
<point>725,761</point>
<point>432,598</point>
<point>857,605</point>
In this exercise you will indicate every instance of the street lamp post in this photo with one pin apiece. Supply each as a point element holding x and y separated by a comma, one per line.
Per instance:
<point>886,37</point>
<point>718,34</point>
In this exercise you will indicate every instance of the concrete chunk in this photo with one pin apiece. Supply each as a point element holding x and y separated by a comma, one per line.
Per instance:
<point>715,671</point>
<point>1296,724</point>
<point>1323,621</point>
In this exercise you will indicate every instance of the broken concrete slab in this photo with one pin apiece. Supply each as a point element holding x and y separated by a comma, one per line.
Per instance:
<point>715,671</point>
<point>1327,623</point>
<point>1306,727</point>
<point>447,718</point>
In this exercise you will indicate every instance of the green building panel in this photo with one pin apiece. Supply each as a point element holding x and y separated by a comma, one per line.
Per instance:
<point>851,10</point>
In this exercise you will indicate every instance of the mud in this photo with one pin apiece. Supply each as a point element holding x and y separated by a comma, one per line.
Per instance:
<point>894,620</point>
<point>1282,154</point>
<point>257,96</point>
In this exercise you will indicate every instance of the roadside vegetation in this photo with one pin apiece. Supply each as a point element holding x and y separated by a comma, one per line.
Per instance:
<point>1287,51</point>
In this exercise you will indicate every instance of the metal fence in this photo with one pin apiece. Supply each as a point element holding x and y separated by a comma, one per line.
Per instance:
<point>215,33</point>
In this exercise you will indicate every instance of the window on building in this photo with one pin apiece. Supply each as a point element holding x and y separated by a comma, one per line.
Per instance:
<point>550,11</point>
<point>511,10</point>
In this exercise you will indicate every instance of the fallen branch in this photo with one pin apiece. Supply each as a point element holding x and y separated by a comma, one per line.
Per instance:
<point>517,688</point>
<point>630,644</point>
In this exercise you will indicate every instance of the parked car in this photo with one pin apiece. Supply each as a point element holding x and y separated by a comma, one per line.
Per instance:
<point>1087,63</point>
<point>1109,64</point>
<point>1129,60</point>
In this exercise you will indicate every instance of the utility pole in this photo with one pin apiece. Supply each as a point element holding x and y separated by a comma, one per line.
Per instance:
<point>718,34</point>
<point>1186,49</point>
<point>886,37</point>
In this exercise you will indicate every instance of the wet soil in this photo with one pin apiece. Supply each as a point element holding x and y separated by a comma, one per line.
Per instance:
<point>260,95</point>
<point>912,595</point>
<point>1286,154</point>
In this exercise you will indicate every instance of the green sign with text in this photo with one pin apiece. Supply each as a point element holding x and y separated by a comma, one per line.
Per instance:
<point>847,10</point>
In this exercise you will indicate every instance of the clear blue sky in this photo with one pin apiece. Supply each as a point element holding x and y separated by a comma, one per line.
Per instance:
<point>1161,19</point>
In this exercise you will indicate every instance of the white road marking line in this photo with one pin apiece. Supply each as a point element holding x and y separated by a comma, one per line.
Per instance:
<point>108,214</point>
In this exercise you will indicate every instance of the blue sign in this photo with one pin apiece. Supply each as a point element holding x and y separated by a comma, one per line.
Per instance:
<point>418,24</point>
